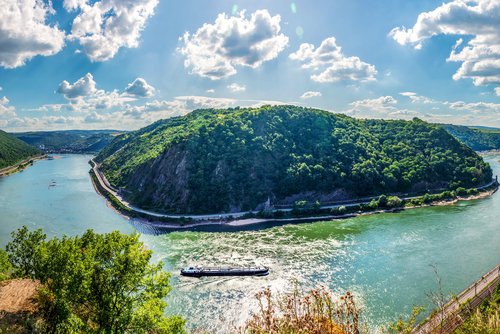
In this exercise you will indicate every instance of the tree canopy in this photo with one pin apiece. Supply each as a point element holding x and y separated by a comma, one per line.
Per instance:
<point>479,139</point>
<point>234,159</point>
<point>94,283</point>
<point>13,150</point>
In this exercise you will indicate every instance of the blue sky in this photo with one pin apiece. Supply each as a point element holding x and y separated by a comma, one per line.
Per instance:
<point>123,64</point>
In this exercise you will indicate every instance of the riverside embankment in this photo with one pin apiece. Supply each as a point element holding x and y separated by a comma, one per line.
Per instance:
<point>452,314</point>
<point>20,166</point>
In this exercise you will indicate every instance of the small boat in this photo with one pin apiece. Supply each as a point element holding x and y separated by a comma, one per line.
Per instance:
<point>224,271</point>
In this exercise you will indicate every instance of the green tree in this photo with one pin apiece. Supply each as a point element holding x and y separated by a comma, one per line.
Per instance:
<point>373,204</point>
<point>382,201</point>
<point>22,251</point>
<point>5,265</point>
<point>394,201</point>
<point>96,283</point>
<point>405,326</point>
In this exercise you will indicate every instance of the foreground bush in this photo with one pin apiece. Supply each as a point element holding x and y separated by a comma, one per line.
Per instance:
<point>5,266</point>
<point>314,313</point>
<point>485,319</point>
<point>94,283</point>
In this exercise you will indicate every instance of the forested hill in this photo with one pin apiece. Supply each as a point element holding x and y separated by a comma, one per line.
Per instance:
<point>69,141</point>
<point>235,159</point>
<point>479,139</point>
<point>13,150</point>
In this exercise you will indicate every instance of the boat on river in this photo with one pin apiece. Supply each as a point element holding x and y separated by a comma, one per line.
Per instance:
<point>224,271</point>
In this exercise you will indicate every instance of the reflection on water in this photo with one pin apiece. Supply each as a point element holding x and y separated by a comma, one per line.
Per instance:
<point>384,259</point>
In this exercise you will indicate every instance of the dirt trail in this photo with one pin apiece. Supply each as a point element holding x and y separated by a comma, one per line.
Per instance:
<point>16,296</point>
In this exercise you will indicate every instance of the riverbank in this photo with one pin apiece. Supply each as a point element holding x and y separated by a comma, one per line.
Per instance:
<point>451,315</point>
<point>235,225</point>
<point>243,220</point>
<point>22,165</point>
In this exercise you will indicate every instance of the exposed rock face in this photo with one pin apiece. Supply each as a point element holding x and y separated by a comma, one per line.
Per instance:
<point>162,182</point>
<point>233,160</point>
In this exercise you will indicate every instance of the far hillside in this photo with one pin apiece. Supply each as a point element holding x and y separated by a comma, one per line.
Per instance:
<point>13,150</point>
<point>69,141</point>
<point>477,138</point>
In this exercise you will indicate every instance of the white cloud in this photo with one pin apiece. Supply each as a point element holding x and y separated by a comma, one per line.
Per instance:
<point>56,107</point>
<point>458,112</point>
<point>476,107</point>
<point>180,105</point>
<point>5,109</point>
<point>84,96</point>
<point>310,94</point>
<point>201,102</point>
<point>43,123</point>
<point>331,64</point>
<point>103,27</point>
<point>497,91</point>
<point>24,32</point>
<point>104,100</point>
<point>94,117</point>
<point>378,104</point>
<point>140,88</point>
<point>210,91</point>
<point>215,50</point>
<point>235,88</point>
<point>480,57</point>
<point>415,98</point>
<point>84,86</point>
<point>381,107</point>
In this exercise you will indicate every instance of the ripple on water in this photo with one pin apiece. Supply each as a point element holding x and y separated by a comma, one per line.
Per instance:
<point>290,251</point>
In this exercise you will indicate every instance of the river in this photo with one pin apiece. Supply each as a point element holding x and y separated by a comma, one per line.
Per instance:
<point>383,259</point>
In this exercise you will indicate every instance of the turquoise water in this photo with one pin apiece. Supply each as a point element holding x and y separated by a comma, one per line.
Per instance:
<point>384,259</point>
<point>71,206</point>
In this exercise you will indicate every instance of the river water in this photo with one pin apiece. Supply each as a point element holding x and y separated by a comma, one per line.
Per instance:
<point>384,259</point>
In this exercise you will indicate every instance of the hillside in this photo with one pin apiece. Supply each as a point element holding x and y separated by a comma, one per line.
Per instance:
<point>13,150</point>
<point>69,141</point>
<point>479,139</point>
<point>236,159</point>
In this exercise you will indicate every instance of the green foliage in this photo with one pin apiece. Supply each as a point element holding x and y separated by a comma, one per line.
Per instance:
<point>95,283</point>
<point>486,318</point>
<point>479,139</point>
<point>382,201</point>
<point>373,204</point>
<point>5,265</point>
<point>339,210</point>
<point>301,208</point>
<point>13,150</point>
<point>405,326</point>
<point>394,202</point>
<point>23,250</point>
<point>218,160</point>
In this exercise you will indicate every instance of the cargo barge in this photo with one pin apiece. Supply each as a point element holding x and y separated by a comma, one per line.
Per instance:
<point>224,271</point>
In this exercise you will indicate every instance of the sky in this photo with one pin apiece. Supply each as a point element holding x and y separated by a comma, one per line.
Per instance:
<point>123,64</point>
